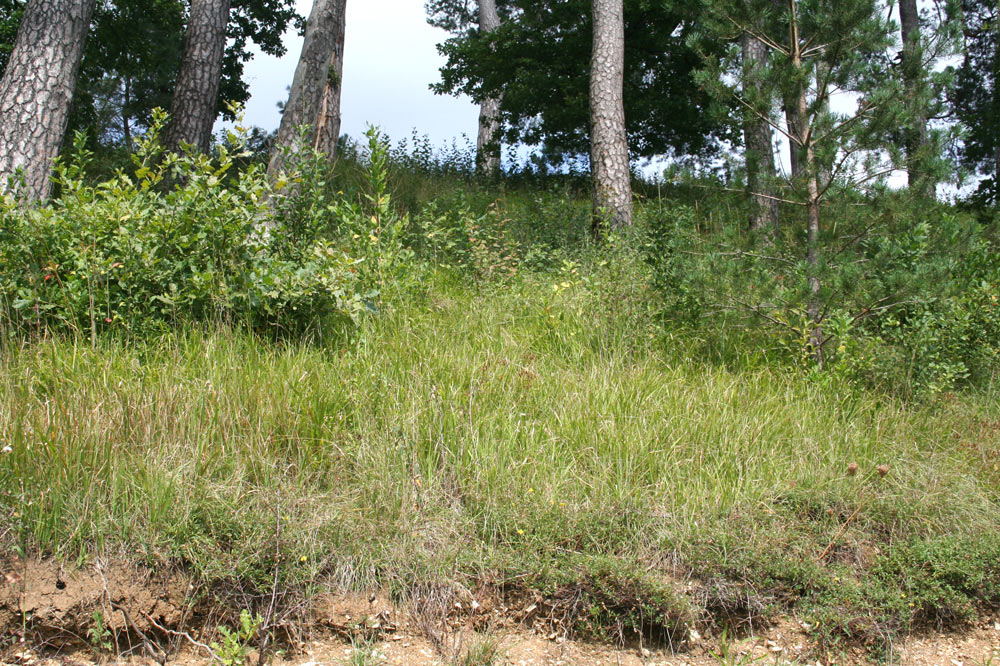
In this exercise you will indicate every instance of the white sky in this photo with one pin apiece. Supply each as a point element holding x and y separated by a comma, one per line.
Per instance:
<point>389,61</point>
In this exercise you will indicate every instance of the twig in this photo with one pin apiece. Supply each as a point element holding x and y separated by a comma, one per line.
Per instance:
<point>843,528</point>
<point>159,656</point>
<point>181,634</point>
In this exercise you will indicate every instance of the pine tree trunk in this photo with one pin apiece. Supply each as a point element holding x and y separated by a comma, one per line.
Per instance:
<point>759,150</point>
<point>126,102</point>
<point>329,119</point>
<point>193,110</point>
<point>609,158</point>
<point>795,159</point>
<point>314,99</point>
<point>810,170</point>
<point>488,142</point>
<point>915,136</point>
<point>37,89</point>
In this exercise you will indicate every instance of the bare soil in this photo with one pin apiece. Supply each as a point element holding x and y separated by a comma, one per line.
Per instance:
<point>46,612</point>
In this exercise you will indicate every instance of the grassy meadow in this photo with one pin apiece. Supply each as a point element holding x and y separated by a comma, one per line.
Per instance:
<point>528,417</point>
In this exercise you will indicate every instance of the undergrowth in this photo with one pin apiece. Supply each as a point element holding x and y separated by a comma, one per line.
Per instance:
<point>621,436</point>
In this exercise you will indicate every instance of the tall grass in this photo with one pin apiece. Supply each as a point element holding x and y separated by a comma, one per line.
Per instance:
<point>511,409</point>
<point>470,430</point>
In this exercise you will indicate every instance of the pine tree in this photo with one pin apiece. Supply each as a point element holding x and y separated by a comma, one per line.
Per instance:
<point>609,157</point>
<point>816,48</point>
<point>977,95</point>
<point>37,88</point>
<point>192,112</point>
<point>314,99</point>
<point>488,141</point>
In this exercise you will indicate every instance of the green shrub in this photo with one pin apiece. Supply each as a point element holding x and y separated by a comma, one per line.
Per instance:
<point>183,238</point>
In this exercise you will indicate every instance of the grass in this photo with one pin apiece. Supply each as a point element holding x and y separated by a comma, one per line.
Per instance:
<point>539,434</point>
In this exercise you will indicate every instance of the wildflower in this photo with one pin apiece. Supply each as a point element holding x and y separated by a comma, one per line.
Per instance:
<point>7,449</point>
<point>520,532</point>
<point>107,320</point>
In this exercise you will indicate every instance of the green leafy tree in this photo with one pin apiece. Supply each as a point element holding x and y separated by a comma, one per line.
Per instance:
<point>134,52</point>
<point>538,60</point>
<point>10,17</point>
<point>977,97</point>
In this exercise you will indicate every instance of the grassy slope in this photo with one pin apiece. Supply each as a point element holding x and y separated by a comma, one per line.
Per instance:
<point>533,433</point>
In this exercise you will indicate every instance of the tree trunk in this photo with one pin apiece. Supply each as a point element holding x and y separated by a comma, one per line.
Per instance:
<point>488,143</point>
<point>795,159</point>
<point>314,99</point>
<point>126,102</point>
<point>915,136</point>
<point>193,110</point>
<point>757,136</point>
<point>329,119</point>
<point>37,88</point>
<point>810,169</point>
<point>609,159</point>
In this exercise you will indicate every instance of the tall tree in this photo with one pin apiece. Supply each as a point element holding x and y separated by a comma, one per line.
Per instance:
<point>192,112</point>
<point>129,68</point>
<point>609,157</point>
<point>977,95</point>
<point>134,53</point>
<point>538,62</point>
<point>488,141</point>
<point>816,48</point>
<point>757,138</point>
<point>329,119</point>
<point>37,89</point>
<point>317,79</point>
<point>915,141</point>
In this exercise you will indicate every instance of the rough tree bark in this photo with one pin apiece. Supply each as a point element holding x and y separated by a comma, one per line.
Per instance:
<point>314,99</point>
<point>795,159</point>
<point>37,88</point>
<point>329,119</point>
<point>609,159</point>
<point>915,136</point>
<point>757,137</point>
<point>488,143</point>
<point>192,111</point>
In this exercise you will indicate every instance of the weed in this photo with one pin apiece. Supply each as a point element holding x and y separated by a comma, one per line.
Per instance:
<point>98,634</point>
<point>235,645</point>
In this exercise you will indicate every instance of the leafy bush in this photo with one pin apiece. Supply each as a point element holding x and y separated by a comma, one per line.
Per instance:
<point>182,238</point>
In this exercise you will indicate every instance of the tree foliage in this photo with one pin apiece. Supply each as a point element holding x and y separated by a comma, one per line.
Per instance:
<point>134,52</point>
<point>539,60</point>
<point>977,98</point>
<point>10,18</point>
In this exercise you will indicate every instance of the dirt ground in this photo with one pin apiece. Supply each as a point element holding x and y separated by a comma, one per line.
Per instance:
<point>782,645</point>
<point>61,606</point>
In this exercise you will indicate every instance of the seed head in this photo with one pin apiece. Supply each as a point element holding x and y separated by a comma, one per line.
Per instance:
<point>882,470</point>
<point>852,469</point>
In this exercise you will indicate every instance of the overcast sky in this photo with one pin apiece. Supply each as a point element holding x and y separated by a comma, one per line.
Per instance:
<point>389,61</point>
